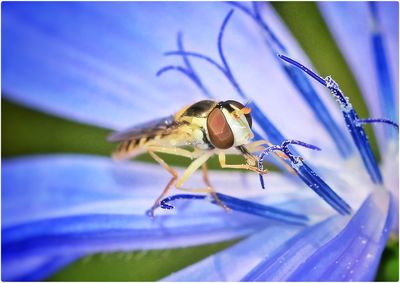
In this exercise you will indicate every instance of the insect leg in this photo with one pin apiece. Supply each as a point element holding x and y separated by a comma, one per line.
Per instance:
<point>278,155</point>
<point>257,145</point>
<point>173,151</point>
<point>168,186</point>
<point>192,168</point>
<point>212,192</point>
<point>222,162</point>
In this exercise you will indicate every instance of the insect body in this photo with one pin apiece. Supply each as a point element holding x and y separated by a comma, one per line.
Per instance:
<point>209,127</point>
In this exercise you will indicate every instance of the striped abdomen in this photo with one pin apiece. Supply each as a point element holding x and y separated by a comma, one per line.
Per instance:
<point>132,147</point>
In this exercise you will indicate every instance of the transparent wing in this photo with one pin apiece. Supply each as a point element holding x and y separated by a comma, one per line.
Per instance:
<point>151,128</point>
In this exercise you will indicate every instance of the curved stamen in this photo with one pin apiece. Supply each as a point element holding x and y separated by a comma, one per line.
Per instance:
<point>284,148</point>
<point>303,144</point>
<point>386,91</point>
<point>185,59</point>
<point>351,118</point>
<point>308,176</point>
<point>187,70</point>
<point>384,121</point>
<point>256,16</point>
<point>220,36</point>
<point>269,129</point>
<point>312,180</point>
<point>197,55</point>
<point>241,205</point>
<point>309,72</point>
<point>300,81</point>
<point>164,202</point>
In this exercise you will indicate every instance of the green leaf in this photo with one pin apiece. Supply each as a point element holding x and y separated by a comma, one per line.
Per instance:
<point>389,267</point>
<point>25,131</point>
<point>136,266</point>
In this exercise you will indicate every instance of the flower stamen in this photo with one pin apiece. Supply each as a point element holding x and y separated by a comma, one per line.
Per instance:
<point>300,81</point>
<point>306,174</point>
<point>187,70</point>
<point>372,121</point>
<point>386,91</point>
<point>245,206</point>
<point>269,129</point>
<point>351,118</point>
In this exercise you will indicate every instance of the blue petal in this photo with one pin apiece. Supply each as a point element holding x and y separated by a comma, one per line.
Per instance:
<point>351,119</point>
<point>32,268</point>
<point>241,205</point>
<point>72,205</point>
<point>81,189</point>
<point>354,30</point>
<point>336,249</point>
<point>390,170</point>
<point>278,244</point>
<point>233,263</point>
<point>96,62</point>
<point>301,82</point>
<point>352,254</point>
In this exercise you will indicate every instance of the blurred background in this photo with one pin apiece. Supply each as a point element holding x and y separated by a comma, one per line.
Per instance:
<point>27,132</point>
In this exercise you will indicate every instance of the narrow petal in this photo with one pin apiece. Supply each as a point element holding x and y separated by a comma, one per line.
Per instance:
<point>351,119</point>
<point>96,63</point>
<point>353,255</point>
<point>237,204</point>
<point>69,205</point>
<point>85,189</point>
<point>332,254</point>
<point>337,249</point>
<point>33,268</point>
<point>63,185</point>
<point>353,27</point>
<point>276,244</point>
<point>233,263</point>
<point>299,80</point>
<point>390,169</point>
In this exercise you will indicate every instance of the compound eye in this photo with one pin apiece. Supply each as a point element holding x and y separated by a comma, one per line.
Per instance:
<point>240,106</point>
<point>221,135</point>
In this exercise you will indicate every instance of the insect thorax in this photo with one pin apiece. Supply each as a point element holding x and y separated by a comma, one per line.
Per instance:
<point>195,117</point>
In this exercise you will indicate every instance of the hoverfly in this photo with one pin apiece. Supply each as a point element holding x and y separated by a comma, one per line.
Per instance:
<point>207,126</point>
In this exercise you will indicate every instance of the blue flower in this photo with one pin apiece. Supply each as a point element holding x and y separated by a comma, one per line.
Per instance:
<point>96,62</point>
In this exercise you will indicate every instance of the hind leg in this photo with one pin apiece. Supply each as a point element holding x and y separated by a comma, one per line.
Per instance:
<point>168,186</point>
<point>201,161</point>
<point>188,172</point>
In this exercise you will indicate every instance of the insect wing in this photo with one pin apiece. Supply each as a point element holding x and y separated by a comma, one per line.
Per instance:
<point>151,128</point>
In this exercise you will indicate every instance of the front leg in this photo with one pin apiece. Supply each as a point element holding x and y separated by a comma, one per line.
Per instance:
<point>256,146</point>
<point>222,162</point>
<point>192,168</point>
<point>201,161</point>
<point>168,186</point>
